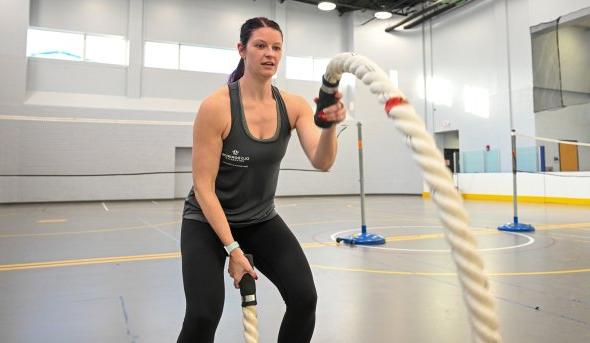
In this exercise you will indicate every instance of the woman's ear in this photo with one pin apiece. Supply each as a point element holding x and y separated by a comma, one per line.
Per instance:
<point>241,49</point>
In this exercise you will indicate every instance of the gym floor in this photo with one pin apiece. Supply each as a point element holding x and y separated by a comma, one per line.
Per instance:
<point>110,272</point>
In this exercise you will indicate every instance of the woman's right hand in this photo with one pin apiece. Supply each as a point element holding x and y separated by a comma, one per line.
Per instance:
<point>238,266</point>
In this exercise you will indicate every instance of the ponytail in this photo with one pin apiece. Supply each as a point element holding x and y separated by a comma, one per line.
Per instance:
<point>238,73</point>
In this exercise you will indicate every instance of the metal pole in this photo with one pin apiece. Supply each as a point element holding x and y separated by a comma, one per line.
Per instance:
<point>515,225</point>
<point>514,193</point>
<point>362,177</point>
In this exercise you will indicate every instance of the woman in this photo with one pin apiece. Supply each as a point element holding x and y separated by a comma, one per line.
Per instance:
<point>240,136</point>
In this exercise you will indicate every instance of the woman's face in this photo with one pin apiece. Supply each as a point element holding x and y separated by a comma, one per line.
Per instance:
<point>263,52</point>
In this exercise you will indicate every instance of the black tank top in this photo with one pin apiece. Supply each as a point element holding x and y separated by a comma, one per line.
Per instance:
<point>248,168</point>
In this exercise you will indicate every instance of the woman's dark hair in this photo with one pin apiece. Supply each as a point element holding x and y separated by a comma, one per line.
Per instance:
<point>245,33</point>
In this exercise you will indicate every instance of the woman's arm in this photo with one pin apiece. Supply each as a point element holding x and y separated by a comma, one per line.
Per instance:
<point>319,145</point>
<point>208,130</point>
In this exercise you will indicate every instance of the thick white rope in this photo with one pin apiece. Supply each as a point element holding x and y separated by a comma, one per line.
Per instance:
<point>250,321</point>
<point>478,299</point>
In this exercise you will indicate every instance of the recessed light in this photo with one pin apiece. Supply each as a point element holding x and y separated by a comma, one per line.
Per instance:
<point>383,15</point>
<point>326,6</point>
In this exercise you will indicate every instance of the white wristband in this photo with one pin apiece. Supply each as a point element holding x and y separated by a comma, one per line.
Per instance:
<point>231,247</point>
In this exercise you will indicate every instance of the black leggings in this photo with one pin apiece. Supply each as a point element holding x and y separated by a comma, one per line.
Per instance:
<point>277,254</point>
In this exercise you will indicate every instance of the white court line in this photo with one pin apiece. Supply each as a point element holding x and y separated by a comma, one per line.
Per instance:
<point>530,240</point>
<point>105,207</point>
<point>159,230</point>
<point>167,234</point>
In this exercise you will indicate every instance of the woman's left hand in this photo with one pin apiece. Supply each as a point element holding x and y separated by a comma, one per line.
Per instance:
<point>334,113</point>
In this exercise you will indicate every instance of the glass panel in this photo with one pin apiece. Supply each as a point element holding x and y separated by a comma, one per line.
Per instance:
<point>492,161</point>
<point>526,159</point>
<point>472,162</point>
<point>55,45</point>
<point>106,49</point>
<point>161,55</point>
<point>211,60</point>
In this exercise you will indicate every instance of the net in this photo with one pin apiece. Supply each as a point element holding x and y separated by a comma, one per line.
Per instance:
<point>560,56</point>
<point>553,157</point>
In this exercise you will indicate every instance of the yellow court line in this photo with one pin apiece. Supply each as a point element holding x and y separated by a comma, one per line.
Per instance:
<point>172,255</point>
<point>137,227</point>
<point>540,227</point>
<point>522,198</point>
<point>51,221</point>
<point>392,272</point>
<point>378,271</point>
<point>86,261</point>
<point>318,244</point>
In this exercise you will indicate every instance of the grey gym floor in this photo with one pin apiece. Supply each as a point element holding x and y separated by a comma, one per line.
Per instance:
<point>110,272</point>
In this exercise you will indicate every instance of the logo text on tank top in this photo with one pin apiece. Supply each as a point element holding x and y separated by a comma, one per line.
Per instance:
<point>234,159</point>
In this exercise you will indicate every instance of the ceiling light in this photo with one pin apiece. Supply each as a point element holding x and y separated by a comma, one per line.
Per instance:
<point>326,6</point>
<point>383,15</point>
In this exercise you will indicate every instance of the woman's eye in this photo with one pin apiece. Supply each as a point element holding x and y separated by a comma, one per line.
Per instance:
<point>277,48</point>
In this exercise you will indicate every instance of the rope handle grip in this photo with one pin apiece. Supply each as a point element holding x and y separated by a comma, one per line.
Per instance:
<point>248,286</point>
<point>326,98</point>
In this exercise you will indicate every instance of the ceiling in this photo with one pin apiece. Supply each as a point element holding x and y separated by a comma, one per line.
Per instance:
<point>416,12</point>
<point>399,7</point>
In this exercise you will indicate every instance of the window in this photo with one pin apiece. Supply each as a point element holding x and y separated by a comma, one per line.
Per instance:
<point>106,49</point>
<point>161,55</point>
<point>73,46</point>
<point>189,57</point>
<point>55,45</point>
<point>306,68</point>
<point>210,60</point>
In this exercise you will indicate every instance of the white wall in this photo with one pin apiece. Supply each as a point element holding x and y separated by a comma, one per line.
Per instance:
<point>469,46</point>
<point>574,52</point>
<point>571,122</point>
<point>206,22</point>
<point>14,22</point>
<point>77,106</point>
<point>94,16</point>
<point>537,185</point>
<point>549,125</point>
<point>541,11</point>
<point>46,75</point>
<point>385,148</point>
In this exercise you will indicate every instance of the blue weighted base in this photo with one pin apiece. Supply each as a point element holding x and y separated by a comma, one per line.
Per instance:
<point>362,239</point>
<point>516,227</point>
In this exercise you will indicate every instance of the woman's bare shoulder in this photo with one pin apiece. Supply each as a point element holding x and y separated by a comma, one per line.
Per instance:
<point>215,112</point>
<point>295,103</point>
<point>216,102</point>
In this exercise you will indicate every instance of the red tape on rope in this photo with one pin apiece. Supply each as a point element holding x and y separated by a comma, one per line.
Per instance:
<point>392,102</point>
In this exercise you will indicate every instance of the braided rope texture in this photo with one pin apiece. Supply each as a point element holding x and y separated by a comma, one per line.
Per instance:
<point>250,320</point>
<point>478,299</point>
